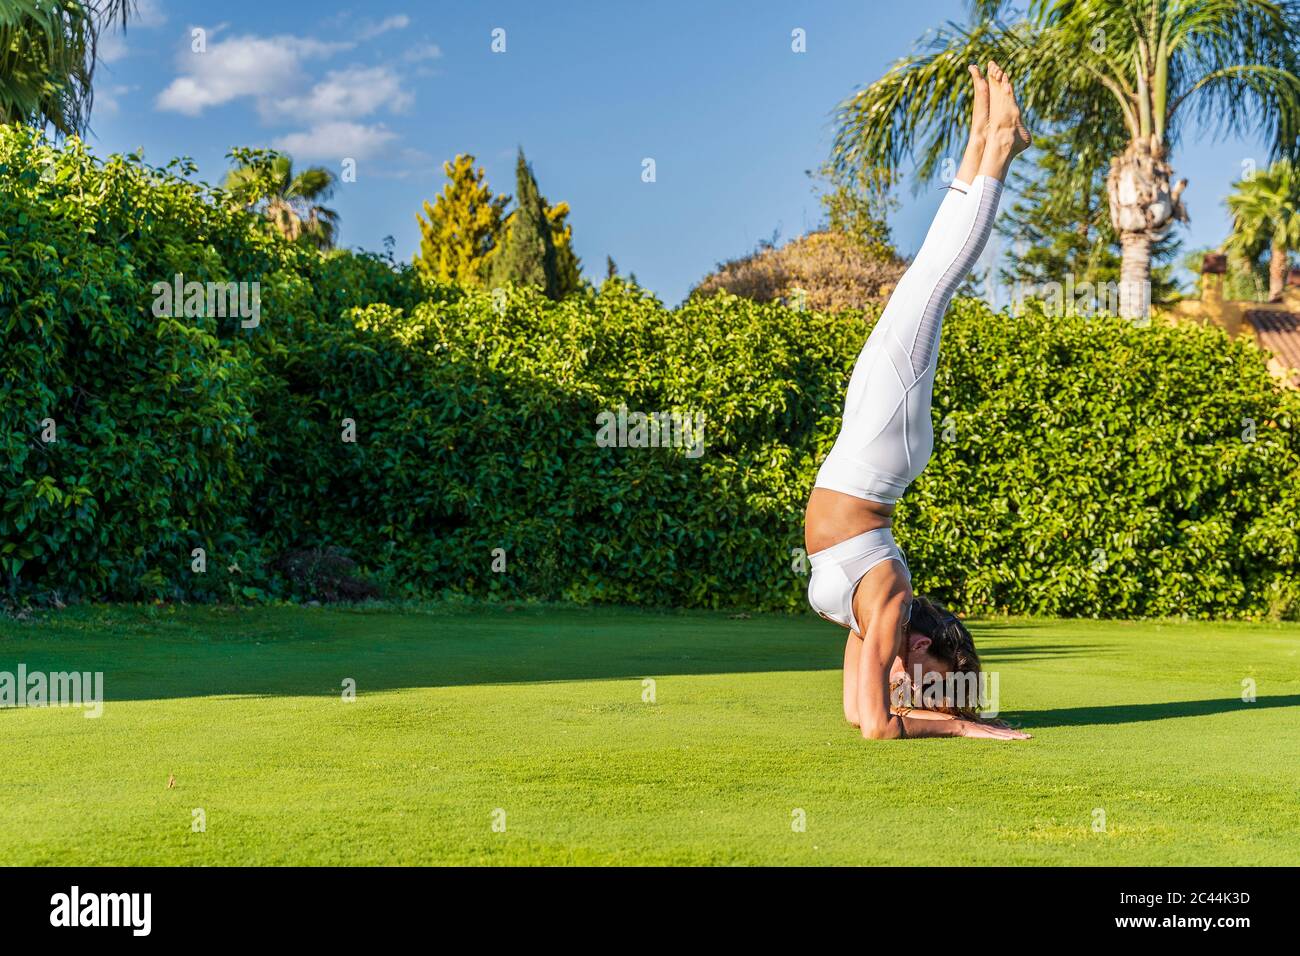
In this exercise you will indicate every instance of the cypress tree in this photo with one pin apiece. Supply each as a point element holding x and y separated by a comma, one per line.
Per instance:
<point>527,255</point>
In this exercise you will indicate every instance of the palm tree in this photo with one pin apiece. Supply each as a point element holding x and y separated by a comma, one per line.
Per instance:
<point>1122,76</point>
<point>47,59</point>
<point>264,181</point>
<point>1266,214</point>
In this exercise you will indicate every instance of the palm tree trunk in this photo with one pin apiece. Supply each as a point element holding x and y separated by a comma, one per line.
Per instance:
<point>1135,275</point>
<point>1143,206</point>
<point>1277,271</point>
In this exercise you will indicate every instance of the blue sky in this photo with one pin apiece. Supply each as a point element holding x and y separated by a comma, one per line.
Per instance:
<point>711,91</point>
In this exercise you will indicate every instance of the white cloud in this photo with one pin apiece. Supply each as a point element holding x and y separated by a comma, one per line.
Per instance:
<point>399,21</point>
<point>278,76</point>
<point>346,94</point>
<point>240,66</point>
<point>108,100</point>
<point>425,51</point>
<point>336,140</point>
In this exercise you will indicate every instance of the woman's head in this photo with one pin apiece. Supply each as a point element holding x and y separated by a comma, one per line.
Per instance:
<point>940,645</point>
<point>947,641</point>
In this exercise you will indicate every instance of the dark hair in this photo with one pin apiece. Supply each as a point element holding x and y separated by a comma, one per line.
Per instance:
<point>950,642</point>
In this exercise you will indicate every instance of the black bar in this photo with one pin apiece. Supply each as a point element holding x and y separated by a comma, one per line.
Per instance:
<point>950,906</point>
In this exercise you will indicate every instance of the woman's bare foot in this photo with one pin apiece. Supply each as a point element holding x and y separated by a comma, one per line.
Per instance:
<point>979,121</point>
<point>1007,135</point>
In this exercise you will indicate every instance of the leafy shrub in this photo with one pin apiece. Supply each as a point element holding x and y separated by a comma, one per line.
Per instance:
<point>1098,468</point>
<point>147,414</point>
<point>159,425</point>
<point>1081,467</point>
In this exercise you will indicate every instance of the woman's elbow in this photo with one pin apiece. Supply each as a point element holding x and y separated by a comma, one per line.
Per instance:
<point>888,728</point>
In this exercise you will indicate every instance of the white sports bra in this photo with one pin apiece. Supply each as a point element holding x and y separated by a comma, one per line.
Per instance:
<point>837,570</point>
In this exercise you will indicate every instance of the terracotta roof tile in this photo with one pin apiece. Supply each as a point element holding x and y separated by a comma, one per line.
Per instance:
<point>1279,332</point>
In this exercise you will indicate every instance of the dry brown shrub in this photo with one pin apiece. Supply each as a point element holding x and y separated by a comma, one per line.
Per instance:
<point>834,272</point>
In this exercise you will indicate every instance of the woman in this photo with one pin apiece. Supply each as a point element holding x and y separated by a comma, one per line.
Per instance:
<point>859,577</point>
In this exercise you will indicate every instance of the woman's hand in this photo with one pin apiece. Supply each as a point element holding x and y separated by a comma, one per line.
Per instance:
<point>975,728</point>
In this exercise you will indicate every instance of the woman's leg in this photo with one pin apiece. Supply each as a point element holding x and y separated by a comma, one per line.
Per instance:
<point>948,217</point>
<point>979,121</point>
<point>887,436</point>
<point>852,649</point>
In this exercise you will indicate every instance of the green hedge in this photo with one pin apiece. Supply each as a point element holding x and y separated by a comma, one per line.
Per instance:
<point>1081,467</point>
<point>168,430</point>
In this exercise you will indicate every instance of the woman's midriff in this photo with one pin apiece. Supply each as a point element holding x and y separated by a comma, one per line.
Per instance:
<point>832,517</point>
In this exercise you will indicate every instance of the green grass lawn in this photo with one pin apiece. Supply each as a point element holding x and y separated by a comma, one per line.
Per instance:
<point>461,712</point>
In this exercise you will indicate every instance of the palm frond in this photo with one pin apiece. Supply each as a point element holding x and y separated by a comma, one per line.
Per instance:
<point>48,51</point>
<point>1100,72</point>
<point>1235,66</point>
<point>920,109</point>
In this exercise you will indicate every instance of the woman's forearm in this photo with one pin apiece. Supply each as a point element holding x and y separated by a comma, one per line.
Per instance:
<point>922,714</point>
<point>932,725</point>
<point>899,728</point>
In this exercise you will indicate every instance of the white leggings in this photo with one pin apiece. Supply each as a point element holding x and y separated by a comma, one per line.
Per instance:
<point>886,436</point>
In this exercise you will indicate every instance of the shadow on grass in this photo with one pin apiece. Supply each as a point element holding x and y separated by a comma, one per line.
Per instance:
<point>1034,652</point>
<point>297,652</point>
<point>1140,713</point>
